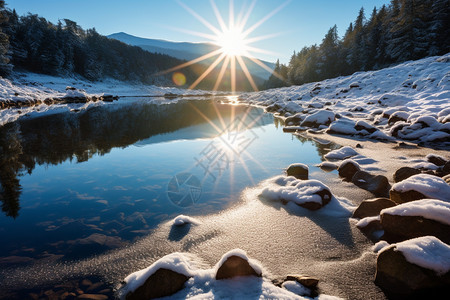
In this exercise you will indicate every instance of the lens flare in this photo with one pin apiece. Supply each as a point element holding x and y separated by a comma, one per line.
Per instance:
<point>178,78</point>
<point>233,41</point>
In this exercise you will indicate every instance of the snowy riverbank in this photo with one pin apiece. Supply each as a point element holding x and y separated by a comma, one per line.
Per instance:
<point>410,101</point>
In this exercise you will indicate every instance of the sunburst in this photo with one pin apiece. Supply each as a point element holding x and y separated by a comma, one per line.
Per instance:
<point>234,42</point>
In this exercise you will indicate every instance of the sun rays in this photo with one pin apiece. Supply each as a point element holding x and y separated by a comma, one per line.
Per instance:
<point>233,42</point>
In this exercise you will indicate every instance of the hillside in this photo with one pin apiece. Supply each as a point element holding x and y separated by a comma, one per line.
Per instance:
<point>185,50</point>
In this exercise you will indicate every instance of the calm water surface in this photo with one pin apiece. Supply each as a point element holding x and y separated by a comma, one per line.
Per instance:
<point>77,184</point>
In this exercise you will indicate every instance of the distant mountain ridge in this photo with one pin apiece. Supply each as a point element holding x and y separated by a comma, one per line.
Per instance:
<point>185,50</point>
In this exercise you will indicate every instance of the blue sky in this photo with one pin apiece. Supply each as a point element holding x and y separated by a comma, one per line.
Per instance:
<point>299,23</point>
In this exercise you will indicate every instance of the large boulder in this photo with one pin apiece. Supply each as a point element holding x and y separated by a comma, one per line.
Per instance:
<point>372,207</point>
<point>162,283</point>
<point>299,171</point>
<point>417,218</point>
<point>376,184</point>
<point>348,168</point>
<point>404,173</point>
<point>417,268</point>
<point>420,186</point>
<point>236,263</point>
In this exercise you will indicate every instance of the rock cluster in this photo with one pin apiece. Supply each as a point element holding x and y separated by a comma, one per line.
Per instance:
<point>418,208</point>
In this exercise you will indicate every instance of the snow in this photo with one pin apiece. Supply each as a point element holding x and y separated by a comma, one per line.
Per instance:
<point>427,252</point>
<point>428,208</point>
<point>24,86</point>
<point>182,220</point>
<point>301,191</point>
<point>177,262</point>
<point>296,288</point>
<point>380,91</point>
<point>327,165</point>
<point>366,221</point>
<point>321,117</point>
<point>203,285</point>
<point>429,185</point>
<point>379,246</point>
<point>341,153</point>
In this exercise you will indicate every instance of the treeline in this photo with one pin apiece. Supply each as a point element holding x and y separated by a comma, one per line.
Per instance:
<point>404,30</point>
<point>32,43</point>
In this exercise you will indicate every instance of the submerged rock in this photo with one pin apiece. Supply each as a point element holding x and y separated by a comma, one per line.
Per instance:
<point>299,171</point>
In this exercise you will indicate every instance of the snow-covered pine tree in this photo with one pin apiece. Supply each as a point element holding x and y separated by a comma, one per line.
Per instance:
<point>5,67</point>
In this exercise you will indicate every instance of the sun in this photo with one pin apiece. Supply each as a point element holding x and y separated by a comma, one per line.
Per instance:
<point>232,41</point>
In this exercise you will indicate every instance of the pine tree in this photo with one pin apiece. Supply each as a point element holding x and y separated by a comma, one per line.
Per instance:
<point>5,67</point>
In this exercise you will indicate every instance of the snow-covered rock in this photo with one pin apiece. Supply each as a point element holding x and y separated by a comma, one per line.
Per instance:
<point>379,97</point>
<point>183,220</point>
<point>236,263</point>
<point>420,186</point>
<point>417,218</point>
<point>342,153</point>
<point>416,267</point>
<point>309,194</point>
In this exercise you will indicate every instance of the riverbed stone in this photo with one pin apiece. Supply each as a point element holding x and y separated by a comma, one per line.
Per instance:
<point>162,283</point>
<point>347,169</point>
<point>399,228</point>
<point>376,184</point>
<point>298,170</point>
<point>400,279</point>
<point>404,173</point>
<point>372,207</point>
<point>235,266</point>
<point>407,196</point>
<point>437,160</point>
<point>305,280</point>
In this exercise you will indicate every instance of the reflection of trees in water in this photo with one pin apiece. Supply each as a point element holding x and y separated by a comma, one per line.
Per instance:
<point>10,166</point>
<point>56,138</point>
